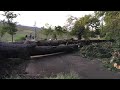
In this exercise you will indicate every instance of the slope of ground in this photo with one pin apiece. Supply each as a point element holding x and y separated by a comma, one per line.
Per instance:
<point>22,31</point>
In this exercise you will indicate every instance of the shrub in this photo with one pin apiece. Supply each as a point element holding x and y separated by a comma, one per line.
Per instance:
<point>101,50</point>
<point>108,65</point>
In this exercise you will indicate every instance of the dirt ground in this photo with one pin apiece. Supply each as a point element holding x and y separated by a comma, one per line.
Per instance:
<point>52,65</point>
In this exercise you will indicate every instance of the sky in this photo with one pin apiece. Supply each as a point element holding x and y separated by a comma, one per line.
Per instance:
<point>54,18</point>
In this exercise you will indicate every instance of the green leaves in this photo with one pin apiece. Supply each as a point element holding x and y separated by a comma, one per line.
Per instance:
<point>9,26</point>
<point>84,26</point>
<point>102,50</point>
<point>2,31</point>
<point>54,32</point>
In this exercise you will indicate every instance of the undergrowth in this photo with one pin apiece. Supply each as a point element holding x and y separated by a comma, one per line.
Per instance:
<point>108,55</point>
<point>101,50</point>
<point>71,75</point>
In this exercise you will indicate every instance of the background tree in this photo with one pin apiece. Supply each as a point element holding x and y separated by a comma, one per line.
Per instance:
<point>59,31</point>
<point>112,23</point>
<point>80,27</point>
<point>47,31</point>
<point>9,25</point>
<point>2,31</point>
<point>70,22</point>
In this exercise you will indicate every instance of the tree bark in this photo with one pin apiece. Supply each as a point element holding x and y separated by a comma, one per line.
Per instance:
<point>65,42</point>
<point>42,50</point>
<point>12,38</point>
<point>24,51</point>
<point>8,50</point>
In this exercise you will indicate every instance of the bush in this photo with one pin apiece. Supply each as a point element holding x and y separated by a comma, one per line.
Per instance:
<point>101,50</point>
<point>106,63</point>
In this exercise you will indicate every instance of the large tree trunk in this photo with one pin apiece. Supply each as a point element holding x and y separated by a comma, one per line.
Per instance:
<point>65,42</point>
<point>8,50</point>
<point>79,37</point>
<point>41,50</point>
<point>24,51</point>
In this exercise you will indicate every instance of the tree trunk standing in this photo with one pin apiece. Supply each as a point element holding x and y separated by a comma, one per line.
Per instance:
<point>12,38</point>
<point>79,37</point>
<point>0,39</point>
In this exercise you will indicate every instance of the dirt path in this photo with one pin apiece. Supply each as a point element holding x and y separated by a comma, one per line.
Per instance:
<point>86,69</point>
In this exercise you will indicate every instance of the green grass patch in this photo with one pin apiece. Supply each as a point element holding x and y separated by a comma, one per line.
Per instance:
<point>71,75</point>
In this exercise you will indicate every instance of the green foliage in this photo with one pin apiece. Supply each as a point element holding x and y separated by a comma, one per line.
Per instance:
<point>94,23</point>
<point>54,33</point>
<point>112,23</point>
<point>59,30</point>
<point>20,38</point>
<point>65,76</point>
<point>14,77</point>
<point>113,62</point>
<point>79,26</point>
<point>70,22</point>
<point>102,50</point>
<point>85,26</point>
<point>9,25</point>
<point>106,63</point>
<point>54,36</point>
<point>71,75</point>
<point>47,32</point>
<point>2,31</point>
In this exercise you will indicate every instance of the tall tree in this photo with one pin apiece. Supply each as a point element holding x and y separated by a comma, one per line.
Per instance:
<point>47,31</point>
<point>80,27</point>
<point>9,25</point>
<point>59,30</point>
<point>70,22</point>
<point>2,31</point>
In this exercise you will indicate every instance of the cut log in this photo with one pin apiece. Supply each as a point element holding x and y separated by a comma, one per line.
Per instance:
<point>24,51</point>
<point>65,42</point>
<point>42,50</point>
<point>8,50</point>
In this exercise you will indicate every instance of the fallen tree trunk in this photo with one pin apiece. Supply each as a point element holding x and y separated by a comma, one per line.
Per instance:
<point>65,42</point>
<point>24,51</point>
<point>42,50</point>
<point>8,50</point>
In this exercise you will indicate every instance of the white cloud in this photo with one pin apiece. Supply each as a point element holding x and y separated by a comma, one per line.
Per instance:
<point>41,17</point>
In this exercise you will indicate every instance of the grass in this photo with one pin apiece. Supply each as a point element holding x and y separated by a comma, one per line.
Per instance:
<point>71,75</point>
<point>8,37</point>
<point>14,77</point>
<point>22,33</point>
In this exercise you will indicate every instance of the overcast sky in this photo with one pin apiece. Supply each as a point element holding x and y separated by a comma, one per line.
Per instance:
<point>53,18</point>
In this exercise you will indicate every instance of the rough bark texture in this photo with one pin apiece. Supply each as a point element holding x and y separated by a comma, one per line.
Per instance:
<point>8,50</point>
<point>41,50</point>
<point>24,51</point>
<point>65,42</point>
